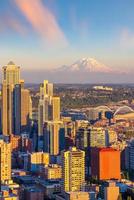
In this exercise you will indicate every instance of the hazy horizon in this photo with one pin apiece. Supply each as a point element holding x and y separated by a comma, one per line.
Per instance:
<point>72,31</point>
<point>87,29</point>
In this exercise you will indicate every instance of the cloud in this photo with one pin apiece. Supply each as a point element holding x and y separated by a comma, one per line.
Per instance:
<point>127,38</point>
<point>42,20</point>
<point>79,25</point>
<point>17,26</point>
<point>9,21</point>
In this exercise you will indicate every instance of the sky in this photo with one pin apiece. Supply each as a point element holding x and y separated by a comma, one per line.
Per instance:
<point>46,34</point>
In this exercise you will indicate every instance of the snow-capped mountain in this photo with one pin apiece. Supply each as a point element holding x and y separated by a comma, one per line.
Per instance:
<point>87,65</point>
<point>86,70</point>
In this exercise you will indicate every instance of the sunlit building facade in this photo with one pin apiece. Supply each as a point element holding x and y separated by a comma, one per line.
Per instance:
<point>51,137</point>
<point>7,108</point>
<point>25,108</point>
<point>49,118</point>
<point>11,74</point>
<point>73,165</point>
<point>10,77</point>
<point>97,137</point>
<point>37,160</point>
<point>102,160</point>
<point>53,172</point>
<point>55,108</point>
<point>5,161</point>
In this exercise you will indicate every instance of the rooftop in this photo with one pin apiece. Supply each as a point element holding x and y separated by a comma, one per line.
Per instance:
<point>11,63</point>
<point>107,149</point>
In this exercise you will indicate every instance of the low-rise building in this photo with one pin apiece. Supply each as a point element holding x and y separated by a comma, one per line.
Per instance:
<point>53,171</point>
<point>111,192</point>
<point>38,160</point>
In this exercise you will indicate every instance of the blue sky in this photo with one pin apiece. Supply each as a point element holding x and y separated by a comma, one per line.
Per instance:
<point>69,30</point>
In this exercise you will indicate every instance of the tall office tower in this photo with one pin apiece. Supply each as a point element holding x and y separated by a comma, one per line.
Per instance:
<point>42,92</point>
<point>129,156</point>
<point>11,74</point>
<point>48,88</point>
<point>73,166</point>
<point>49,106</point>
<point>83,138</point>
<point>0,113</point>
<point>7,108</point>
<point>45,86</point>
<point>30,107</point>
<point>46,109</point>
<point>102,160</point>
<point>43,107</point>
<point>51,137</point>
<point>17,109</point>
<point>40,111</point>
<point>97,137</point>
<point>11,77</point>
<point>55,108</point>
<point>52,108</point>
<point>90,137</point>
<point>40,118</point>
<point>43,116</point>
<point>5,161</point>
<point>25,108</point>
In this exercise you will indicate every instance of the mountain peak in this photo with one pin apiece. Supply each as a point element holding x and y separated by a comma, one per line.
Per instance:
<point>89,65</point>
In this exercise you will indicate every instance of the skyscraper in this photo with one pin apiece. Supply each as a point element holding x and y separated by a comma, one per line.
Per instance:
<point>49,106</point>
<point>11,77</point>
<point>40,118</point>
<point>25,108</point>
<point>51,137</point>
<point>11,74</point>
<point>97,137</point>
<point>55,108</point>
<point>17,109</point>
<point>102,160</point>
<point>44,113</point>
<point>7,108</point>
<point>5,161</point>
<point>44,106</point>
<point>83,138</point>
<point>50,89</point>
<point>15,101</point>
<point>73,166</point>
<point>47,88</point>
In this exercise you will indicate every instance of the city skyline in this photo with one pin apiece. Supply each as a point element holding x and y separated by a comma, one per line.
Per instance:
<point>57,143</point>
<point>103,31</point>
<point>66,100</point>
